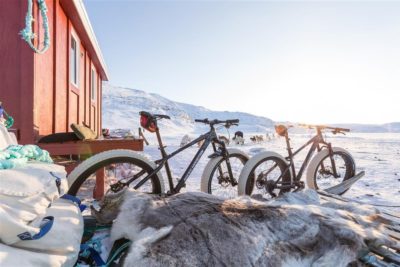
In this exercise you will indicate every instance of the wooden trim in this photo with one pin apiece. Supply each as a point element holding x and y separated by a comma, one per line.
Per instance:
<point>91,147</point>
<point>93,69</point>
<point>76,12</point>
<point>27,83</point>
<point>75,36</point>
<point>68,70</point>
<point>74,89</point>
<point>84,87</point>
<point>54,46</point>
<point>100,104</point>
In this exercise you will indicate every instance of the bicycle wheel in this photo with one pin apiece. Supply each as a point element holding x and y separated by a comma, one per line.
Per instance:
<point>320,172</point>
<point>115,165</point>
<point>215,179</point>
<point>261,172</point>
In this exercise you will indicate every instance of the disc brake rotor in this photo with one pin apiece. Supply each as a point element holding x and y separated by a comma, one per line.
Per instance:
<point>326,173</point>
<point>261,181</point>
<point>224,180</point>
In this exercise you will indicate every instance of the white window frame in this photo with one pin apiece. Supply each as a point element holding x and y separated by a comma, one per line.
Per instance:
<point>75,39</point>
<point>93,85</point>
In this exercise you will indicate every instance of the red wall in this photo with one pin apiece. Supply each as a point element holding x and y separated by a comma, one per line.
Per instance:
<point>35,88</point>
<point>16,68</point>
<point>60,43</point>
<point>43,71</point>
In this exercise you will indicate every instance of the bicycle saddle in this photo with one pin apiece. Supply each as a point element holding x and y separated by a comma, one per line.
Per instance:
<point>281,129</point>
<point>154,116</point>
<point>149,121</point>
<point>161,116</point>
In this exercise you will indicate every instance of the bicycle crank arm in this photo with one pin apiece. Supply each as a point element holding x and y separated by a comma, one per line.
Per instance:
<point>298,185</point>
<point>119,185</point>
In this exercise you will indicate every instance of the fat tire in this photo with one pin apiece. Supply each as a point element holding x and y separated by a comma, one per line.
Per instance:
<point>79,175</point>
<point>213,163</point>
<point>320,156</point>
<point>250,166</point>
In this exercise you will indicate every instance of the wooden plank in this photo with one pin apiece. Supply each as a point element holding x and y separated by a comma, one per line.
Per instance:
<point>394,234</point>
<point>342,187</point>
<point>44,76</point>
<point>386,254</point>
<point>82,84</point>
<point>393,215</point>
<point>16,68</point>
<point>79,25</point>
<point>61,72</point>
<point>99,189</point>
<point>371,259</point>
<point>91,147</point>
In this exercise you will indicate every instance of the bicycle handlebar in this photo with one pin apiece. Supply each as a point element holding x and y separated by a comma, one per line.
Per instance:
<point>322,127</point>
<point>213,122</point>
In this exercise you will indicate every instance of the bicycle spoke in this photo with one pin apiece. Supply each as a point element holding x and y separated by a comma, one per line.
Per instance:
<point>265,176</point>
<point>325,177</point>
<point>221,183</point>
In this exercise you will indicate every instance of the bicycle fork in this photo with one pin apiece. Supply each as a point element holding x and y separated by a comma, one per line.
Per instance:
<point>333,164</point>
<point>224,153</point>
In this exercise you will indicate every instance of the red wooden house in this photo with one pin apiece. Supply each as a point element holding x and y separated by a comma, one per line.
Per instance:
<point>47,92</point>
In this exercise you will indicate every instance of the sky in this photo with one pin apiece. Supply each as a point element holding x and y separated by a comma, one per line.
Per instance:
<point>311,62</point>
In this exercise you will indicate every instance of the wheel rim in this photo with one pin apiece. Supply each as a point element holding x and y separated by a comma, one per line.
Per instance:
<point>266,171</point>
<point>324,177</point>
<point>219,183</point>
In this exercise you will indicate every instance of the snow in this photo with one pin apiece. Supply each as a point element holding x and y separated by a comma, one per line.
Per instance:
<point>121,107</point>
<point>378,154</point>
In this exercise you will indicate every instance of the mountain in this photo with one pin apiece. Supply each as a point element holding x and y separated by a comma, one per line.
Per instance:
<point>121,107</point>
<point>393,127</point>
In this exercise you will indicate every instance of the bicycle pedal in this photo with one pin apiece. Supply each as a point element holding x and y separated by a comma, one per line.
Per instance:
<point>300,185</point>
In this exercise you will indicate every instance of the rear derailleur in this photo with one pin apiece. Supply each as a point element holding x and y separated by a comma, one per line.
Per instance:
<point>268,185</point>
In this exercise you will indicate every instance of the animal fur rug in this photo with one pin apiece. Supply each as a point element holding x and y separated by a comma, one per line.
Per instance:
<point>197,229</point>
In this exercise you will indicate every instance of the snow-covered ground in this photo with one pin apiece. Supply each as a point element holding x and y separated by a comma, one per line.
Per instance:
<point>376,154</point>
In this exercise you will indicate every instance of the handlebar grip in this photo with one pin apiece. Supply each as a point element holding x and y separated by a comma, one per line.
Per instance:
<point>233,121</point>
<point>202,121</point>
<point>344,130</point>
<point>163,116</point>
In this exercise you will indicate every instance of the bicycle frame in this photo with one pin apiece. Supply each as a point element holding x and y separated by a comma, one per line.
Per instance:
<point>315,145</point>
<point>209,137</point>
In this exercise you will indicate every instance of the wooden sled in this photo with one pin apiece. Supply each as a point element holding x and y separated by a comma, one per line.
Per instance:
<point>341,188</point>
<point>374,255</point>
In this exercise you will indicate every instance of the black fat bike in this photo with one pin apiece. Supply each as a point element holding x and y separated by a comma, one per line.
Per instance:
<point>269,174</point>
<point>126,168</point>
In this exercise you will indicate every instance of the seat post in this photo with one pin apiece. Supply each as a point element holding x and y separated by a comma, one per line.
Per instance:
<point>164,155</point>
<point>160,143</point>
<point>289,149</point>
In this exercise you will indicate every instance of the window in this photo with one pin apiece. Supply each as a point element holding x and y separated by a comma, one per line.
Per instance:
<point>94,85</point>
<point>74,62</point>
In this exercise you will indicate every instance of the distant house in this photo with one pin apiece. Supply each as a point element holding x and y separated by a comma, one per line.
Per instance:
<point>47,92</point>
